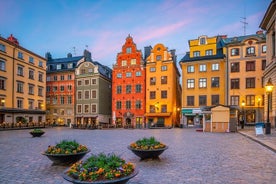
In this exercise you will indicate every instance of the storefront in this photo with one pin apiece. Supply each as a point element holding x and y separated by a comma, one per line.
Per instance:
<point>192,117</point>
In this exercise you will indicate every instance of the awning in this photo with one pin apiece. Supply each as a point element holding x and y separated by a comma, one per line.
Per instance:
<point>158,114</point>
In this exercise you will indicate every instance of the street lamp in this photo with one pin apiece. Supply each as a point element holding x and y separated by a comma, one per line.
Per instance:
<point>243,114</point>
<point>268,89</point>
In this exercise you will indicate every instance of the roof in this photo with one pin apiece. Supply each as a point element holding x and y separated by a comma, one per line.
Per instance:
<point>187,58</point>
<point>52,64</point>
<point>240,39</point>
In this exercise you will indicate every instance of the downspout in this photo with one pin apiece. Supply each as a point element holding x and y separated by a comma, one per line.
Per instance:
<point>227,77</point>
<point>13,88</point>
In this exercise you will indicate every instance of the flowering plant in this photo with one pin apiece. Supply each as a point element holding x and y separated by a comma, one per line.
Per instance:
<point>66,147</point>
<point>101,167</point>
<point>147,144</point>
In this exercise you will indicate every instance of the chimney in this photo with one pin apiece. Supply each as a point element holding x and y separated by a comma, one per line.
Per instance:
<point>13,40</point>
<point>147,51</point>
<point>48,56</point>
<point>69,55</point>
<point>87,55</point>
<point>173,55</point>
<point>259,32</point>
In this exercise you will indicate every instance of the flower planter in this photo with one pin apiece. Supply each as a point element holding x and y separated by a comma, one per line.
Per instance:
<point>65,159</point>
<point>144,154</point>
<point>115,181</point>
<point>37,134</point>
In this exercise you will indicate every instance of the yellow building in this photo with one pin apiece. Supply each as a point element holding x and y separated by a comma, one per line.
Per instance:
<point>162,87</point>
<point>22,84</point>
<point>246,58</point>
<point>203,78</point>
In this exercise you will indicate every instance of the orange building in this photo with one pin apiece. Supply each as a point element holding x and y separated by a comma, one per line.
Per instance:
<point>163,91</point>
<point>128,87</point>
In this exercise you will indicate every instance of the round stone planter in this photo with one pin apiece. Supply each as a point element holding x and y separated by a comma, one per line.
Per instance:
<point>65,159</point>
<point>143,154</point>
<point>37,134</point>
<point>115,181</point>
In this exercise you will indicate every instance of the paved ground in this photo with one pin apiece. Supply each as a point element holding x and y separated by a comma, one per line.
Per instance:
<point>193,157</point>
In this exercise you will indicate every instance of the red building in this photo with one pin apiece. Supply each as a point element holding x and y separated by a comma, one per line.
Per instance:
<point>128,87</point>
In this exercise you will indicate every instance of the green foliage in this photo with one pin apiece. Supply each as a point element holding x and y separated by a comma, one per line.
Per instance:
<point>37,130</point>
<point>147,142</point>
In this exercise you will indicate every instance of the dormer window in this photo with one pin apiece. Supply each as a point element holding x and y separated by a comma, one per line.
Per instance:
<point>202,40</point>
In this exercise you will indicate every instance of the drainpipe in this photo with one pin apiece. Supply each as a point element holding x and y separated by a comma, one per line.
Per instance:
<point>13,88</point>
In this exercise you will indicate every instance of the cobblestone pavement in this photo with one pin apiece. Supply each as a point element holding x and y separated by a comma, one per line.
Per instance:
<point>193,157</point>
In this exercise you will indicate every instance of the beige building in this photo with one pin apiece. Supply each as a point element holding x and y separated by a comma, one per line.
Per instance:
<point>268,24</point>
<point>22,84</point>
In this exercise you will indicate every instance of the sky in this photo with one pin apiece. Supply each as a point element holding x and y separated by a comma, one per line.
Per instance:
<point>101,26</point>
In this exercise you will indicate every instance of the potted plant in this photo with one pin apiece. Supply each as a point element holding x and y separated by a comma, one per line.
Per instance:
<point>101,169</point>
<point>66,152</point>
<point>147,148</point>
<point>37,132</point>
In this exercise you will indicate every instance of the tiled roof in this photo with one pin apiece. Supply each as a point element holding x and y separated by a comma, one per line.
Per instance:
<point>239,39</point>
<point>52,64</point>
<point>187,58</point>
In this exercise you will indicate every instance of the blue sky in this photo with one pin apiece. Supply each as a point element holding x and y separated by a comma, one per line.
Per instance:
<point>59,26</point>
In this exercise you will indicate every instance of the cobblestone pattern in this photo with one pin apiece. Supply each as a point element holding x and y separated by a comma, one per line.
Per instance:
<point>193,157</point>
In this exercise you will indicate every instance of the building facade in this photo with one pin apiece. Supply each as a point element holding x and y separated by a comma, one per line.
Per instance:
<point>203,78</point>
<point>93,93</point>
<point>246,61</point>
<point>22,84</point>
<point>268,24</point>
<point>128,87</point>
<point>60,89</point>
<point>162,87</point>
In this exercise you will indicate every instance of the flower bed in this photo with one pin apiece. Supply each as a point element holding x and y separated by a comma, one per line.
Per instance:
<point>101,168</point>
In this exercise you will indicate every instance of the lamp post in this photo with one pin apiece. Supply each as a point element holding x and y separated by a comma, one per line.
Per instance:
<point>243,114</point>
<point>268,89</point>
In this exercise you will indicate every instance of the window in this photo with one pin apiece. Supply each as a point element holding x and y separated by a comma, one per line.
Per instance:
<point>250,51</point>
<point>79,82</point>
<point>20,87</point>
<point>40,63</point>
<point>31,59</point>
<point>94,94</point>
<point>79,95</point>
<point>61,88</point>
<point>48,78</point>
<point>86,94</point>
<point>133,61</point>
<point>128,89</point>
<point>158,58</point>
<point>94,108</point>
<point>215,99</point>
<point>118,105</point>
<point>138,73</point>
<point>202,41</point>
<point>40,77</point>
<point>119,75</point>
<point>128,104</point>
<point>190,83</point>
<point>58,66</point>
<point>82,71</point>
<point>164,68</point>
<point>48,88</point>
<point>152,95</point>
<point>2,83</point>
<point>250,82</point>
<point>69,87</point>
<point>250,100</point>
<point>119,89</point>
<point>163,79</point>
<point>263,64</point>
<point>2,65</point>
<point>152,81</point>
<point>128,50</point>
<point>138,104</point>
<point>263,48</point>
<point>31,89</point>
<point>152,108</point>
<point>128,74</point>
<point>202,100</point>
<point>55,100</point>
<point>235,100</point>
<point>215,82</point>
<point>2,102</point>
<point>31,74</point>
<point>190,69</point>
<point>54,88</point>
<point>55,78</point>
<point>69,99</point>
<point>61,99</point>
<point>250,65</point>
<point>209,52</point>
<point>62,77</point>
<point>215,67</point>
<point>20,103</point>
<point>190,100</point>
<point>86,82</point>
<point>235,67</point>
<point>70,65</point>
<point>163,108</point>
<point>202,68</point>
<point>196,53</point>
<point>124,62</point>
<point>20,71</point>
<point>79,108</point>
<point>163,94</point>
<point>152,69</point>
<point>69,77</point>
<point>40,91</point>
<point>235,52</point>
<point>235,83</point>
<point>138,88</point>
<point>2,48</point>
<point>86,108</point>
<point>20,55</point>
<point>202,83</point>
<point>61,111</point>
